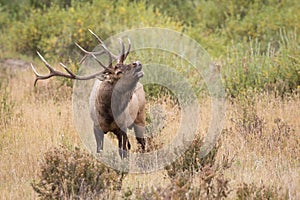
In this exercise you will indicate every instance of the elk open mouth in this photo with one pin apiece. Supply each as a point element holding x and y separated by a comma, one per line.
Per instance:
<point>138,70</point>
<point>140,73</point>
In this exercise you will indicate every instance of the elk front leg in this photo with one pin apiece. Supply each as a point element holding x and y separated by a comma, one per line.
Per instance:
<point>124,144</point>
<point>139,134</point>
<point>99,135</point>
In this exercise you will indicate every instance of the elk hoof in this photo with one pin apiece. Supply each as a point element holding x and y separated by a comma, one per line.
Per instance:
<point>123,153</point>
<point>99,150</point>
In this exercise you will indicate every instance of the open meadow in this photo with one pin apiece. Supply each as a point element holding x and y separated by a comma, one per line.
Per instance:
<point>261,136</point>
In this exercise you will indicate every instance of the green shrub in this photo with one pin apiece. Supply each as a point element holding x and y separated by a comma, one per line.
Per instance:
<point>44,4</point>
<point>256,41</point>
<point>14,9</point>
<point>73,174</point>
<point>217,23</point>
<point>54,31</point>
<point>252,191</point>
<point>4,21</point>
<point>191,178</point>
<point>247,121</point>
<point>208,185</point>
<point>190,162</point>
<point>247,69</point>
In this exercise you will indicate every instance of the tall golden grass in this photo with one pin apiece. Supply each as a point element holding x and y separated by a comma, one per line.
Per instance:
<point>261,132</point>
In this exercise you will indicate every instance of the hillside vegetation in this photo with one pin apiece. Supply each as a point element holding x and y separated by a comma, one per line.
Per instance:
<point>256,42</point>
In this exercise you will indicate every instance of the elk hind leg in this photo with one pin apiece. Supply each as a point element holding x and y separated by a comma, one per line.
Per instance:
<point>99,135</point>
<point>124,144</point>
<point>139,134</point>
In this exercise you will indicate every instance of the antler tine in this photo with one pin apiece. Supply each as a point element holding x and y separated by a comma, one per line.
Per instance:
<point>52,71</point>
<point>69,73</point>
<point>122,54</point>
<point>87,53</point>
<point>102,44</point>
<point>110,54</point>
<point>94,56</point>
<point>128,50</point>
<point>98,61</point>
<point>96,36</point>
<point>37,75</point>
<point>45,62</point>
<point>68,70</point>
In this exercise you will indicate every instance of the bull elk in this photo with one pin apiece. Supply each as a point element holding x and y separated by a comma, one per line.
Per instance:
<point>117,100</point>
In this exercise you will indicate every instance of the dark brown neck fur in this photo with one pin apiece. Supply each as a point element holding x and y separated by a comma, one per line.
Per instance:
<point>115,97</point>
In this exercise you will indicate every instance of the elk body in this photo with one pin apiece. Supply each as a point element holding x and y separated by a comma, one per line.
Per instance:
<point>117,100</point>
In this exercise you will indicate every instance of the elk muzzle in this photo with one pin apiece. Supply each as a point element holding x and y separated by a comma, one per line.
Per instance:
<point>138,68</point>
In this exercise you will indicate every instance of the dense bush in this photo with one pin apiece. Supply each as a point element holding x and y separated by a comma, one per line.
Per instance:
<point>190,162</point>
<point>247,69</point>
<point>206,185</point>
<point>54,31</point>
<point>73,174</point>
<point>217,23</point>
<point>256,41</point>
<point>191,177</point>
<point>44,4</point>
<point>208,174</point>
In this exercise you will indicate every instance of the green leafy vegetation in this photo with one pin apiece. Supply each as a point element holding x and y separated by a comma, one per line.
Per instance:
<point>256,42</point>
<point>53,31</point>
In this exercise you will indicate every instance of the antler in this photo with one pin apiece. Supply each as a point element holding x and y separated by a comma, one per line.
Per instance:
<point>52,72</point>
<point>123,55</point>
<point>120,59</point>
<point>69,73</point>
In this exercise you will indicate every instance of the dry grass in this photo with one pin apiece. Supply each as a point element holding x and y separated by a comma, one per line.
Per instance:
<point>40,120</point>
<point>267,153</point>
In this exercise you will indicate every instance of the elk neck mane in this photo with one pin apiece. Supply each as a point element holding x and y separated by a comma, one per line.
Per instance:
<point>117,92</point>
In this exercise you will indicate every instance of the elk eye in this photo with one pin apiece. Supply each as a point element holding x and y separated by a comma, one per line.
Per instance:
<point>119,72</point>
